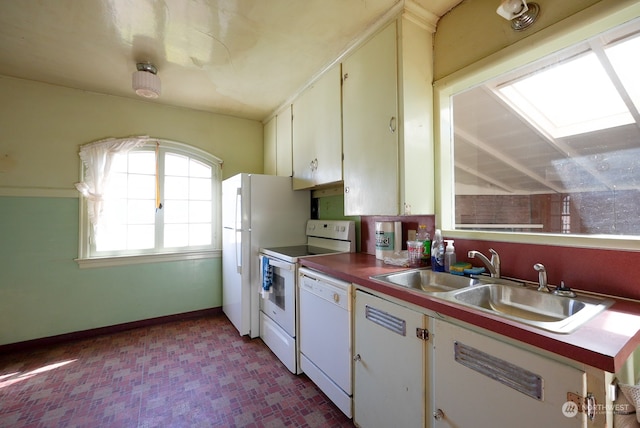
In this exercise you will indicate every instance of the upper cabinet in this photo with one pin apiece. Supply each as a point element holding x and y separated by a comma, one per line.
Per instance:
<point>370,112</point>
<point>387,123</point>
<point>277,144</point>
<point>284,152</point>
<point>317,133</point>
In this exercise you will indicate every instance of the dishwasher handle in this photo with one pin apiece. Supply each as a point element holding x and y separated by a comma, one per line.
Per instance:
<point>319,276</point>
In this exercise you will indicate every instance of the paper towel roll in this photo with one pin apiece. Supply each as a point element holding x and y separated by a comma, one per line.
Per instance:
<point>384,239</point>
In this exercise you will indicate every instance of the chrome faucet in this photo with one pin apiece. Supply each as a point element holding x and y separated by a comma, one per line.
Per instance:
<point>542,277</point>
<point>493,265</point>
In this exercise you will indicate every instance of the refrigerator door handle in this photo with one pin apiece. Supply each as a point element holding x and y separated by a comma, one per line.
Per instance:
<point>238,221</point>
<point>238,209</point>
<point>238,255</point>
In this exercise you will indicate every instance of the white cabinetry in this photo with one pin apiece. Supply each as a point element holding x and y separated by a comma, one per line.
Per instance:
<point>387,123</point>
<point>277,144</point>
<point>390,364</point>
<point>284,152</point>
<point>482,382</point>
<point>317,133</point>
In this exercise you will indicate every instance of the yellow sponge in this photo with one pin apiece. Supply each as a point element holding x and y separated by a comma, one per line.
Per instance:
<point>459,266</point>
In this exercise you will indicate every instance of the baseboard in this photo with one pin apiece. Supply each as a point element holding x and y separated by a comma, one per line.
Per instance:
<point>85,334</point>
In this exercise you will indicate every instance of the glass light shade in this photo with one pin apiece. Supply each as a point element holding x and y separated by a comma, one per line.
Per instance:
<point>511,9</point>
<point>146,84</point>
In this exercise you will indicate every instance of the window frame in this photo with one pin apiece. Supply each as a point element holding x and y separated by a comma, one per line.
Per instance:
<point>88,260</point>
<point>560,36</point>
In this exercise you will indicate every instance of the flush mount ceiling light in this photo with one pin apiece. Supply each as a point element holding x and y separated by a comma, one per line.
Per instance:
<point>145,81</point>
<point>521,14</point>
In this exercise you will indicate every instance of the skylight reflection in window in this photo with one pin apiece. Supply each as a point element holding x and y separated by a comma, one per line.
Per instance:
<point>571,98</point>
<point>625,60</point>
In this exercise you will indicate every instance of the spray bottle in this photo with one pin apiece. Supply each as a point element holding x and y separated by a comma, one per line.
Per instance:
<point>437,252</point>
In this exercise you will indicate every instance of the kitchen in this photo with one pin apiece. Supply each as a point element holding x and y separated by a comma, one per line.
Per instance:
<point>57,298</point>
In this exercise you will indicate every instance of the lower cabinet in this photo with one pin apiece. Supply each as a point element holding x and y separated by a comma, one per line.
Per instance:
<point>390,364</point>
<point>482,382</point>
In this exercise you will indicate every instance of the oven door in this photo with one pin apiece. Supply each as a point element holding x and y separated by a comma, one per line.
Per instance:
<point>279,303</point>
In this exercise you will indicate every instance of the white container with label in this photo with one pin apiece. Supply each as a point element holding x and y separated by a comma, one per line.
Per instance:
<point>385,239</point>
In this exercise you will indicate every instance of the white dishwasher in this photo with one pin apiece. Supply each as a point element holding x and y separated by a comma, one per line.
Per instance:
<point>325,335</point>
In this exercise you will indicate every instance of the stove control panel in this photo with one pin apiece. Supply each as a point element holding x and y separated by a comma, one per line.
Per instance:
<point>343,230</point>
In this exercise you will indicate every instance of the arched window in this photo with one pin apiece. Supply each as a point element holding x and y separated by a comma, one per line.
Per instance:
<point>147,200</point>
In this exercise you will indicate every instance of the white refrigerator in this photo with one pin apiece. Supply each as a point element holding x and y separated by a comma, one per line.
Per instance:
<point>257,211</point>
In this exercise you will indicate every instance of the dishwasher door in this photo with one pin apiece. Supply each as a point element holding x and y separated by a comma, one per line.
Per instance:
<point>325,335</point>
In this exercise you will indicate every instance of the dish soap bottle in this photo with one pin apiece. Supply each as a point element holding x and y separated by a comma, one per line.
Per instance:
<point>423,236</point>
<point>437,252</point>
<point>449,255</point>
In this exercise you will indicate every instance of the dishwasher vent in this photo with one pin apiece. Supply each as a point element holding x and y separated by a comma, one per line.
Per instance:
<point>497,369</point>
<point>386,320</point>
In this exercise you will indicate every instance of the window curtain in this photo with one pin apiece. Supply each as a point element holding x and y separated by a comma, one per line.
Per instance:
<point>97,158</point>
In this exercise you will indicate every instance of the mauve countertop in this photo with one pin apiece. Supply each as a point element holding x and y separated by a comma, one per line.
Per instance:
<point>604,342</point>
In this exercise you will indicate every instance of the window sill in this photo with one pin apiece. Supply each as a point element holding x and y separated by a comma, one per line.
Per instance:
<point>100,262</point>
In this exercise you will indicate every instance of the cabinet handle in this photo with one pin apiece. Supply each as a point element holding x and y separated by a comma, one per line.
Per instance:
<point>346,190</point>
<point>357,357</point>
<point>438,415</point>
<point>345,77</point>
<point>392,124</point>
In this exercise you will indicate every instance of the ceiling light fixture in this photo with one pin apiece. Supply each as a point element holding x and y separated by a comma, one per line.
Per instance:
<point>521,14</point>
<point>145,81</point>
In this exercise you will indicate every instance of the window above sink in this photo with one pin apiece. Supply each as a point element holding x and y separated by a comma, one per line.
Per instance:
<point>543,139</point>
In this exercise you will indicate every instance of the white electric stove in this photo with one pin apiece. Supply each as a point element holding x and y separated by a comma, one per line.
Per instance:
<point>279,306</point>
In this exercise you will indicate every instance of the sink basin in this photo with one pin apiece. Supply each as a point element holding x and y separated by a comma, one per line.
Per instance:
<point>427,280</point>
<point>502,297</point>
<point>543,310</point>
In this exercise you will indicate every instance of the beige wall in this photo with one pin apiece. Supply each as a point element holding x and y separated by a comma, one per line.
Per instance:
<point>473,30</point>
<point>42,127</point>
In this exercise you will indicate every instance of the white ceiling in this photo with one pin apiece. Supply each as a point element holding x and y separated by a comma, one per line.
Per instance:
<point>238,57</point>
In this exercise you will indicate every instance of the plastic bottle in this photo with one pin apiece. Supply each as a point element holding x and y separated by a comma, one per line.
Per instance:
<point>449,255</point>
<point>437,252</point>
<point>423,236</point>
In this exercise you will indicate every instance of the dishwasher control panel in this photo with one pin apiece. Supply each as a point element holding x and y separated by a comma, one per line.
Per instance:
<point>330,289</point>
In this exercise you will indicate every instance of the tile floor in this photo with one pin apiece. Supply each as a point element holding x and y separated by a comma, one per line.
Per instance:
<point>193,373</point>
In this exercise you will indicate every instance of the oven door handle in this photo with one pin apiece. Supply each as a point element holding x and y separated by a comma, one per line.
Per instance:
<point>281,265</point>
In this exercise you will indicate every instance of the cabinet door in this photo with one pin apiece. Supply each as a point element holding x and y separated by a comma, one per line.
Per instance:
<point>483,382</point>
<point>317,133</point>
<point>389,367</point>
<point>283,138</point>
<point>370,121</point>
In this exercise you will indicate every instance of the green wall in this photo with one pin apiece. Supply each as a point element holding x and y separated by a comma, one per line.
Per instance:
<point>332,208</point>
<point>43,292</point>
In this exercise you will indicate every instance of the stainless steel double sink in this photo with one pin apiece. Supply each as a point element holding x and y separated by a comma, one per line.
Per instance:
<point>504,298</point>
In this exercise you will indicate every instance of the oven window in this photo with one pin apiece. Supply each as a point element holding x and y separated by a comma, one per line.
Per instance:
<point>277,291</point>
